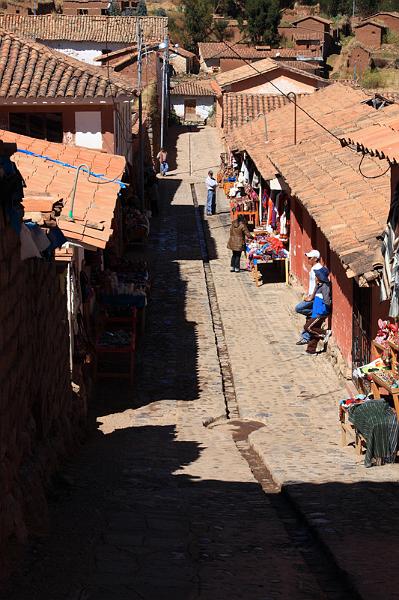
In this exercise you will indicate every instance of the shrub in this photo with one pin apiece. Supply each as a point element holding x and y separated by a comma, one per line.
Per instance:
<point>372,79</point>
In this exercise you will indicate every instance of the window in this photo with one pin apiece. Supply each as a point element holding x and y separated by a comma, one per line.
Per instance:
<point>104,11</point>
<point>44,126</point>
<point>83,11</point>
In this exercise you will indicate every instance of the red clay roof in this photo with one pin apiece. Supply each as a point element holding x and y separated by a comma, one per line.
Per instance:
<point>314,17</point>
<point>31,70</point>
<point>89,28</point>
<point>193,88</point>
<point>380,140</point>
<point>349,208</point>
<point>239,109</point>
<point>226,50</point>
<point>95,199</point>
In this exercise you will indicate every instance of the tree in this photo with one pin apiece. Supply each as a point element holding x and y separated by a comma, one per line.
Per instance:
<point>263,17</point>
<point>219,29</point>
<point>141,10</point>
<point>114,10</point>
<point>197,21</point>
<point>160,12</point>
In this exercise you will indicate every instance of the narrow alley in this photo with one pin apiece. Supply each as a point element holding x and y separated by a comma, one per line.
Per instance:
<point>220,475</point>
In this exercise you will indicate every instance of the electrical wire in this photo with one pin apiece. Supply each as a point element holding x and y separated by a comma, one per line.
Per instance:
<point>371,176</point>
<point>311,117</point>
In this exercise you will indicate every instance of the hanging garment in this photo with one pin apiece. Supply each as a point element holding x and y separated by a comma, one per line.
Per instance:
<point>255,180</point>
<point>283,224</point>
<point>388,249</point>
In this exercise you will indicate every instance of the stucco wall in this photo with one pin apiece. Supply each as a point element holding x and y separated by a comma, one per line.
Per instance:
<point>85,51</point>
<point>205,104</point>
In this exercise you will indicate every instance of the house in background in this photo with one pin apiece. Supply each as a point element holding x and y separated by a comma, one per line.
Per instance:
<point>96,7</point>
<point>183,61</point>
<point>369,33</point>
<point>85,37</point>
<point>310,33</point>
<point>59,99</point>
<point>224,56</point>
<point>123,62</point>
<point>358,61</point>
<point>193,101</point>
<point>21,7</point>
<point>389,19</point>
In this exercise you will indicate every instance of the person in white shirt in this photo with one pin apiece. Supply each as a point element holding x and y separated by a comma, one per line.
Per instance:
<point>305,307</point>
<point>211,185</point>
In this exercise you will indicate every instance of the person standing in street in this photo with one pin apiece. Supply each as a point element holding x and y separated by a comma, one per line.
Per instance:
<point>305,307</point>
<point>236,243</point>
<point>211,185</point>
<point>162,156</point>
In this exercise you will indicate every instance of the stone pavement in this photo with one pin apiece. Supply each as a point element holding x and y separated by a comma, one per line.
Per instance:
<point>156,506</point>
<point>353,510</point>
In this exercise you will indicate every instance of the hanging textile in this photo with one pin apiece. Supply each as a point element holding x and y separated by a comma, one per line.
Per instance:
<point>389,248</point>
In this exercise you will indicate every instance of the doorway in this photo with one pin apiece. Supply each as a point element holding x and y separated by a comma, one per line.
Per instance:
<point>361,342</point>
<point>190,109</point>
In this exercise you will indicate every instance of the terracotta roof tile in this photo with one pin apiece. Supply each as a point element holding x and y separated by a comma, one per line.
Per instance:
<point>349,208</point>
<point>93,28</point>
<point>238,108</point>
<point>31,70</point>
<point>225,50</point>
<point>92,195</point>
<point>193,88</point>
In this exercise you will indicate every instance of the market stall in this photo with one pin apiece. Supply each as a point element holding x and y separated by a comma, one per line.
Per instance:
<point>266,208</point>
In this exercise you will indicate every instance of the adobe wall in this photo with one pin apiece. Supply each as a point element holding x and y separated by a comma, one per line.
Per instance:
<point>389,21</point>
<point>369,35</point>
<point>359,58</point>
<point>38,413</point>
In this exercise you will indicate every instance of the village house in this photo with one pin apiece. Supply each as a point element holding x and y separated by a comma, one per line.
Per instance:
<point>338,210</point>
<point>389,19</point>
<point>358,61</point>
<point>124,62</point>
<point>369,33</point>
<point>269,76</point>
<point>86,37</point>
<point>192,101</point>
<point>85,7</point>
<point>54,97</point>
<point>224,56</point>
<point>183,61</point>
<point>266,77</point>
<point>310,32</point>
<point>21,7</point>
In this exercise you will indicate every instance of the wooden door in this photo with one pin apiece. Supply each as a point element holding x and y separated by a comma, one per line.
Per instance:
<point>190,108</point>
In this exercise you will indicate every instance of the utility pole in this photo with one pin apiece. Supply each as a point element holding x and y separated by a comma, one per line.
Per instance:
<point>353,7</point>
<point>139,85</point>
<point>165,85</point>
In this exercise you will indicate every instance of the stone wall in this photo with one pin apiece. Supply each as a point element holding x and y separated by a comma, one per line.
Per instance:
<point>38,412</point>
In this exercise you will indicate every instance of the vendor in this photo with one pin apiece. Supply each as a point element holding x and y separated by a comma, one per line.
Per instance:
<point>321,308</point>
<point>238,233</point>
<point>305,307</point>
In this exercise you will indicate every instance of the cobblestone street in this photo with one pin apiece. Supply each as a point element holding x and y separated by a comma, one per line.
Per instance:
<point>170,500</point>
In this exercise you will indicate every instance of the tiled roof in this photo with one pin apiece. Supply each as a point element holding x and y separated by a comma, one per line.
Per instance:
<point>226,50</point>
<point>95,200</point>
<point>370,22</point>
<point>315,18</point>
<point>292,53</point>
<point>309,67</point>
<point>385,12</point>
<point>260,67</point>
<point>380,140</point>
<point>89,28</point>
<point>192,88</point>
<point>238,109</point>
<point>31,70</point>
<point>349,208</point>
<point>183,52</point>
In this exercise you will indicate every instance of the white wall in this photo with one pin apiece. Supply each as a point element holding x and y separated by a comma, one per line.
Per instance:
<point>204,107</point>
<point>88,130</point>
<point>84,51</point>
<point>208,64</point>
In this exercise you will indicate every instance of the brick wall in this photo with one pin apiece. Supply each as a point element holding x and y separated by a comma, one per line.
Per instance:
<point>38,412</point>
<point>359,58</point>
<point>389,21</point>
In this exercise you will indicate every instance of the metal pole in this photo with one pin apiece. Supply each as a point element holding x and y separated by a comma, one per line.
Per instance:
<point>353,8</point>
<point>141,137</point>
<point>163,100</point>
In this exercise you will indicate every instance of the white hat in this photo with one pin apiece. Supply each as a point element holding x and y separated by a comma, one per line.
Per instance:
<point>313,254</point>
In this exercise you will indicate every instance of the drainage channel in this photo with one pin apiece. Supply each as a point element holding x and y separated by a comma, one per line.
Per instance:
<point>331,580</point>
